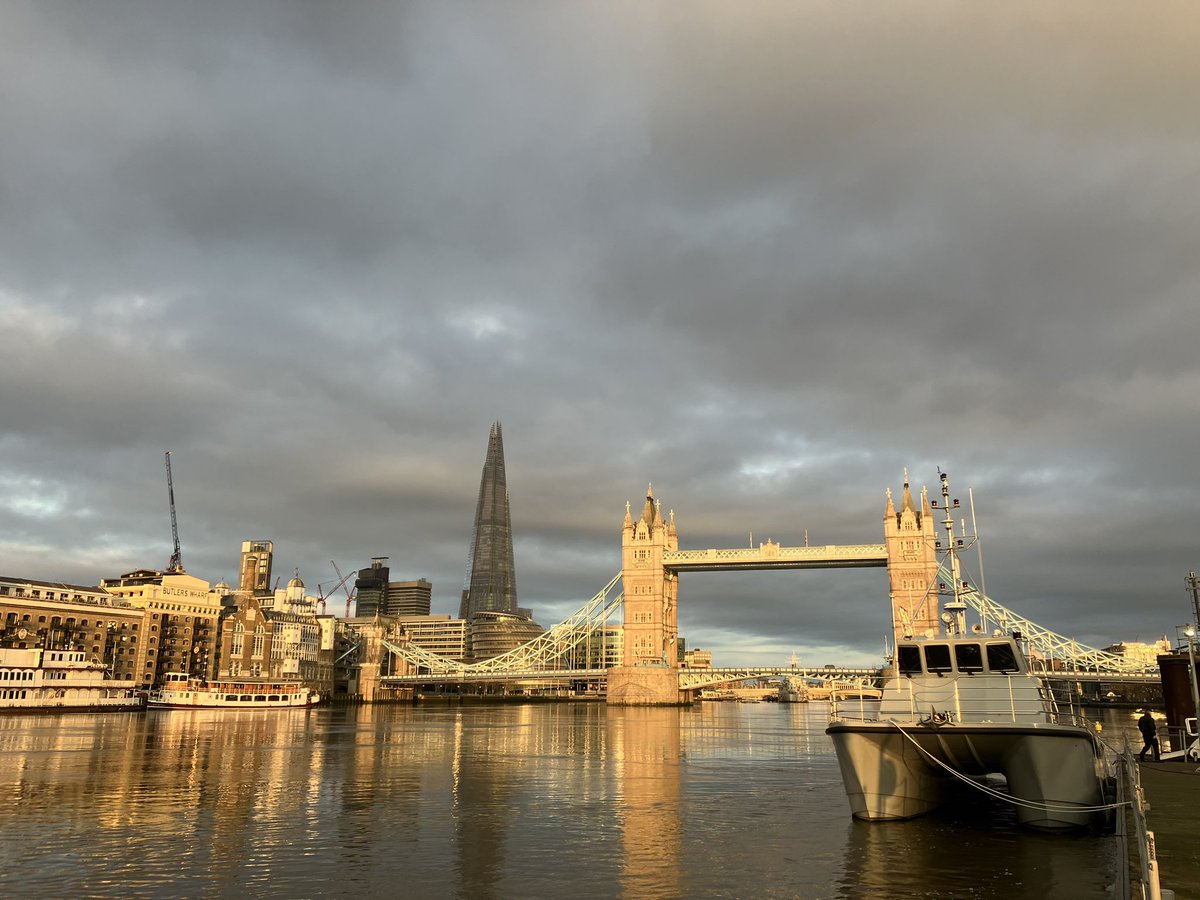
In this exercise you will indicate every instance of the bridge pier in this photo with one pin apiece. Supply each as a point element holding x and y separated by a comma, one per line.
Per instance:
<point>645,686</point>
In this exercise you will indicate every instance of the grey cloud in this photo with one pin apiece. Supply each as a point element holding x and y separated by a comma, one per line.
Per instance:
<point>762,255</point>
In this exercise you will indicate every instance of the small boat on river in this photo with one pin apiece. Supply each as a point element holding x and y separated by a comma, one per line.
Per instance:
<point>181,691</point>
<point>964,706</point>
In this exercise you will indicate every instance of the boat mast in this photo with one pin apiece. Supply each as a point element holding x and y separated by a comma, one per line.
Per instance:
<point>954,616</point>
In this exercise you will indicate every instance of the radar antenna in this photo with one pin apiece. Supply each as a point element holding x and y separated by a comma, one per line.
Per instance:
<point>176,564</point>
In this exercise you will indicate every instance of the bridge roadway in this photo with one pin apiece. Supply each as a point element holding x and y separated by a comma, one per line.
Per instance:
<point>772,556</point>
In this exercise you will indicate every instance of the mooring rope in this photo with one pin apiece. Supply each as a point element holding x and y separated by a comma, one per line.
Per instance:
<point>1000,795</point>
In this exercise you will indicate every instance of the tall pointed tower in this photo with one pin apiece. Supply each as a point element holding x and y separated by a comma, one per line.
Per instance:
<point>649,673</point>
<point>491,582</point>
<point>651,611</point>
<point>910,536</point>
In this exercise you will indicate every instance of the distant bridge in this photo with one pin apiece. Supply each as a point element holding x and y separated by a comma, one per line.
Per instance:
<point>772,556</point>
<point>694,679</point>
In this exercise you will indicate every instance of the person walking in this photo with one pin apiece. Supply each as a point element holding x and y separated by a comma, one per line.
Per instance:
<point>1149,729</point>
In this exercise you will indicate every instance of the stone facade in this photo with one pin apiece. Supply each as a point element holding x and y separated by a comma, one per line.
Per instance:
<point>649,674</point>
<point>651,593</point>
<point>181,621</point>
<point>278,637</point>
<point>645,686</point>
<point>910,536</point>
<point>59,616</point>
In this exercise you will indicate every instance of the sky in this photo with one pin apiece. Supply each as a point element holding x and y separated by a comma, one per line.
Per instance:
<point>764,256</point>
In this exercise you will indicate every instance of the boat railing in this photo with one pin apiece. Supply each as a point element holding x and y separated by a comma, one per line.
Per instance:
<point>997,702</point>
<point>235,687</point>
<point>1130,775</point>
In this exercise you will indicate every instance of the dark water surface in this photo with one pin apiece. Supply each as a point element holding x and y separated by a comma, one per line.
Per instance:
<point>555,800</point>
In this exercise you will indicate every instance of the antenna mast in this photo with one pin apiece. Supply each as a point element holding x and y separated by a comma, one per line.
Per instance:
<point>176,564</point>
<point>953,616</point>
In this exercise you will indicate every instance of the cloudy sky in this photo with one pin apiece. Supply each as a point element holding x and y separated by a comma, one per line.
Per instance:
<point>763,255</point>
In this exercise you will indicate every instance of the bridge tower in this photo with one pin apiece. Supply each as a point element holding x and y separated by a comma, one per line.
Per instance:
<point>649,673</point>
<point>910,537</point>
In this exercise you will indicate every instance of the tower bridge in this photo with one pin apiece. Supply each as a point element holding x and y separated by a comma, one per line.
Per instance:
<point>648,671</point>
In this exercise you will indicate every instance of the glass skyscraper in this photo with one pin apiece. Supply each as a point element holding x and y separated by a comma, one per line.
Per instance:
<point>491,582</point>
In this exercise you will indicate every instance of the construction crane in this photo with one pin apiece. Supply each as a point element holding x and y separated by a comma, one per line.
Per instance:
<point>341,584</point>
<point>176,564</point>
<point>323,597</point>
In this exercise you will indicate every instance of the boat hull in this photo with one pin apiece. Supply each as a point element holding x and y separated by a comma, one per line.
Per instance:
<point>69,704</point>
<point>892,771</point>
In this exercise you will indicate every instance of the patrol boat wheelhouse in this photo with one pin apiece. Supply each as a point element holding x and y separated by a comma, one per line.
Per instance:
<point>965,706</point>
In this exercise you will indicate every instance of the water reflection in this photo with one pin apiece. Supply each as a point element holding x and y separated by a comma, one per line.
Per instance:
<point>722,800</point>
<point>971,848</point>
<point>482,786</point>
<point>646,758</point>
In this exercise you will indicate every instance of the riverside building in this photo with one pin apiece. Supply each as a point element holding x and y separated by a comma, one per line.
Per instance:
<point>376,593</point>
<point>273,635</point>
<point>180,629</point>
<point>442,635</point>
<point>55,615</point>
<point>254,573</point>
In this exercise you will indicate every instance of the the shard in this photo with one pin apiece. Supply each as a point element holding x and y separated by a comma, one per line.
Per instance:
<point>491,582</point>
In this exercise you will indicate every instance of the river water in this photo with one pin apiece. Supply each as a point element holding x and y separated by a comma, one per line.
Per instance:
<point>737,800</point>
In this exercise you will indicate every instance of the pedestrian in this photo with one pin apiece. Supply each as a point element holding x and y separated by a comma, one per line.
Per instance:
<point>1149,730</point>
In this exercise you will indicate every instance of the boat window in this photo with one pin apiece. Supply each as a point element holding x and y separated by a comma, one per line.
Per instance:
<point>908,659</point>
<point>231,698</point>
<point>968,657</point>
<point>1002,658</point>
<point>937,658</point>
<point>260,698</point>
<point>274,698</point>
<point>245,698</point>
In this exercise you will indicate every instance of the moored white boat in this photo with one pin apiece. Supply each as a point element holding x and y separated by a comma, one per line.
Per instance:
<point>180,691</point>
<point>962,706</point>
<point>42,680</point>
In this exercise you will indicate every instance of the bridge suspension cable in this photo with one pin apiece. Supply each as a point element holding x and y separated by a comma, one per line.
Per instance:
<point>557,648</point>
<point>1050,645</point>
<point>548,651</point>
